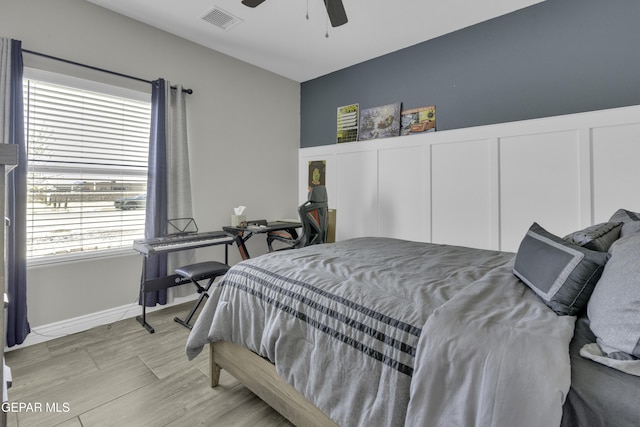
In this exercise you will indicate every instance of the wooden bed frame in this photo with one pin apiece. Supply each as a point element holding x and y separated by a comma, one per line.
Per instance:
<point>260,376</point>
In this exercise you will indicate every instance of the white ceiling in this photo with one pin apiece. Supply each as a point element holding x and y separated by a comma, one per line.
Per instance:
<point>276,35</point>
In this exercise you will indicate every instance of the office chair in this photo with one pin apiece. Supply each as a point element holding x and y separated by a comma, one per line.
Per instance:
<point>314,216</point>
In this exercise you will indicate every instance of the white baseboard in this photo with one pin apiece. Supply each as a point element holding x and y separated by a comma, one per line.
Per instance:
<point>74,325</point>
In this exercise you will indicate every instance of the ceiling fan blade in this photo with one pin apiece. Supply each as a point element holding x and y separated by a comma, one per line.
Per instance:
<point>252,3</point>
<point>335,10</point>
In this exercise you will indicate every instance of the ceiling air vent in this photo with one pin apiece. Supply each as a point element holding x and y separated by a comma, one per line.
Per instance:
<point>221,18</point>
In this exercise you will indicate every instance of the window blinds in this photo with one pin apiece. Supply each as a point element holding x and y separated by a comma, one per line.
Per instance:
<point>87,157</point>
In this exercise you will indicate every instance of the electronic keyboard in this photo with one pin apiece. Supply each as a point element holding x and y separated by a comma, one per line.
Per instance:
<point>182,241</point>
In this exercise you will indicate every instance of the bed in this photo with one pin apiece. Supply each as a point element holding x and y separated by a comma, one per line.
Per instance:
<point>387,332</point>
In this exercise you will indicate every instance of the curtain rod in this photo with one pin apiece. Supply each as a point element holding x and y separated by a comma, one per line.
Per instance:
<point>189,91</point>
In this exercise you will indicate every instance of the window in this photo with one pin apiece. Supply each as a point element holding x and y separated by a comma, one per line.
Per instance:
<point>87,147</point>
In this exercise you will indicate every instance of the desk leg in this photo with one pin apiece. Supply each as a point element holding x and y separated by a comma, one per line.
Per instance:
<point>244,253</point>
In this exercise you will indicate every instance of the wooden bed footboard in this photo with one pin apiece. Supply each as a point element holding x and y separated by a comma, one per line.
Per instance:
<point>260,376</point>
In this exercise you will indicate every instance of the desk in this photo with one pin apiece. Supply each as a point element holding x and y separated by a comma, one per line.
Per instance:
<point>243,233</point>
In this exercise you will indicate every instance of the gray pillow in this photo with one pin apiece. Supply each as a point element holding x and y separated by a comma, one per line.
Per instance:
<point>630,219</point>
<point>597,237</point>
<point>561,273</point>
<point>614,308</point>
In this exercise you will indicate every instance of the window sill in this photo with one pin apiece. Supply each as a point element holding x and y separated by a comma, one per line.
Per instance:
<point>79,257</point>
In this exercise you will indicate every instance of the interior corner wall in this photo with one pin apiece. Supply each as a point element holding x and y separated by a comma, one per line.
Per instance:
<point>556,57</point>
<point>237,158</point>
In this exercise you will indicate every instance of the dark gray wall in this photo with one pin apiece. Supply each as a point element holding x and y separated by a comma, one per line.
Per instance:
<point>556,57</point>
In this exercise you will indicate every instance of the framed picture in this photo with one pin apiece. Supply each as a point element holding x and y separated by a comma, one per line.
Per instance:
<point>416,120</point>
<point>380,122</point>
<point>348,123</point>
<point>317,172</point>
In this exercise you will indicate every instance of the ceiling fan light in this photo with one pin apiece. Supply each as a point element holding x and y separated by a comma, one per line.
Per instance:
<point>252,3</point>
<point>336,12</point>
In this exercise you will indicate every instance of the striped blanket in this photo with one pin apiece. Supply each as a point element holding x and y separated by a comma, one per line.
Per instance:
<point>385,332</point>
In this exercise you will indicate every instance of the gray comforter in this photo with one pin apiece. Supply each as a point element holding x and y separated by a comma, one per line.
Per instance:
<point>385,332</point>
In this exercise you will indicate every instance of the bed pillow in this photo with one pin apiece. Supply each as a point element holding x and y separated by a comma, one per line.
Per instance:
<point>597,237</point>
<point>630,220</point>
<point>561,273</point>
<point>614,308</point>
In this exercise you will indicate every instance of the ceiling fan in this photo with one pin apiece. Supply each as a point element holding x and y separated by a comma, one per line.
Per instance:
<point>335,10</point>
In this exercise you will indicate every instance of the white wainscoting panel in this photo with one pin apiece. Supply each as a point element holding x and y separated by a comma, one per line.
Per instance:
<point>403,193</point>
<point>357,194</point>
<point>484,186</point>
<point>461,188</point>
<point>616,169</point>
<point>539,181</point>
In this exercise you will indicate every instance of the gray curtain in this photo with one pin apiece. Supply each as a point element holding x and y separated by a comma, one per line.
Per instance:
<point>12,132</point>
<point>168,184</point>
<point>179,202</point>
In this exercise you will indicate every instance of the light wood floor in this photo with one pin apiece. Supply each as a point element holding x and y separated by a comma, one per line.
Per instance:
<point>120,375</point>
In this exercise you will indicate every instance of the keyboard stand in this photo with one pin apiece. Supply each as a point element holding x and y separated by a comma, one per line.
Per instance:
<point>160,283</point>
<point>153,285</point>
